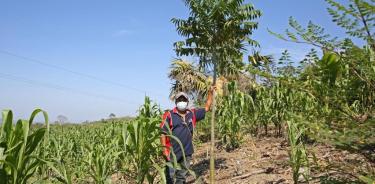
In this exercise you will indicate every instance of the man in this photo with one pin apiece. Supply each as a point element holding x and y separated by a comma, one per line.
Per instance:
<point>181,122</point>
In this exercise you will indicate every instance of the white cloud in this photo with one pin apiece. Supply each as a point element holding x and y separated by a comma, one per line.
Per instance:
<point>122,32</point>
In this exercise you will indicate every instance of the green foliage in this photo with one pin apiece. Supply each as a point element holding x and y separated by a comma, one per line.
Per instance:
<point>217,31</point>
<point>84,153</point>
<point>233,113</point>
<point>286,68</point>
<point>62,173</point>
<point>141,142</point>
<point>368,180</point>
<point>271,105</point>
<point>18,145</point>
<point>94,152</point>
<point>329,67</point>
<point>101,159</point>
<point>310,58</point>
<point>334,94</point>
<point>312,34</point>
<point>357,18</point>
<point>256,59</point>
<point>297,153</point>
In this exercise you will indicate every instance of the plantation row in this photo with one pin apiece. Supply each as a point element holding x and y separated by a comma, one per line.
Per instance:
<point>90,153</point>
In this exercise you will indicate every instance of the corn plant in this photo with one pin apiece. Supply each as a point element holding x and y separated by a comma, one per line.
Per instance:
<point>263,112</point>
<point>18,160</point>
<point>66,153</point>
<point>280,105</point>
<point>62,173</point>
<point>233,112</point>
<point>297,153</point>
<point>56,161</point>
<point>140,141</point>
<point>101,159</point>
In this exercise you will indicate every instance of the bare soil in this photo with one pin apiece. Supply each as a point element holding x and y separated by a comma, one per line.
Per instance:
<point>265,161</point>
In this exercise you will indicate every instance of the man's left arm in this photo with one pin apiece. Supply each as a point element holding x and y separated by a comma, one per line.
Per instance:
<point>200,114</point>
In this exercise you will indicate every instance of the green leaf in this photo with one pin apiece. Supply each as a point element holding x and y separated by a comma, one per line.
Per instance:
<point>367,179</point>
<point>6,128</point>
<point>34,140</point>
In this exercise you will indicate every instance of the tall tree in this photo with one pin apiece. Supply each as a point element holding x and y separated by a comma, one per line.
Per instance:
<point>112,115</point>
<point>62,119</point>
<point>311,57</point>
<point>217,31</point>
<point>285,63</point>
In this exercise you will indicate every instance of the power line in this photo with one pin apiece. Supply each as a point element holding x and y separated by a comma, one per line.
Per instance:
<point>92,77</point>
<point>62,88</point>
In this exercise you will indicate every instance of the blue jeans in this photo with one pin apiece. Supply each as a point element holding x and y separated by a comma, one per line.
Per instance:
<point>174,176</point>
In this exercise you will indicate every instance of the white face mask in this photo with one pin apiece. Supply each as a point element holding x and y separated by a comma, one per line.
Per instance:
<point>182,106</point>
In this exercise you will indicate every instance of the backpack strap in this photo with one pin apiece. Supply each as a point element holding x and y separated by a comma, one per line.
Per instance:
<point>194,120</point>
<point>167,144</point>
<point>166,115</point>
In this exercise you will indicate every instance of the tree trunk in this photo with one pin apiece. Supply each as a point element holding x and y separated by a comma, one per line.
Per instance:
<point>212,150</point>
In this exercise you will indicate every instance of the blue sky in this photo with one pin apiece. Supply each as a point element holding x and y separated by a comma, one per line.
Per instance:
<point>124,42</point>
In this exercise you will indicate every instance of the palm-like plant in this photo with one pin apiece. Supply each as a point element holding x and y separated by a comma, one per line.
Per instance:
<point>217,31</point>
<point>187,78</point>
